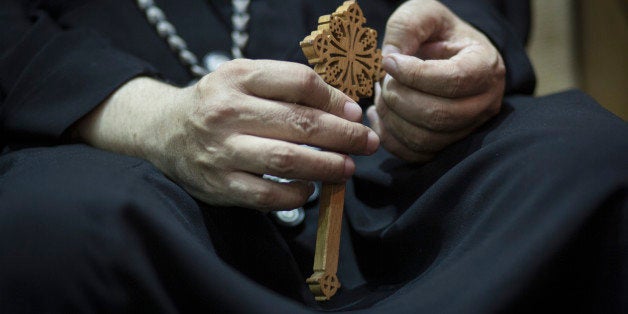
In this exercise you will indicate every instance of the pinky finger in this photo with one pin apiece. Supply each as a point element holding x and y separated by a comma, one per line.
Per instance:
<point>251,191</point>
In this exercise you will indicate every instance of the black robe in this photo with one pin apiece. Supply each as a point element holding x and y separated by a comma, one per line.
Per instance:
<point>527,213</point>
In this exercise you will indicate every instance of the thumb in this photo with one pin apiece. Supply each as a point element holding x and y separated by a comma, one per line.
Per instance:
<point>412,24</point>
<point>400,37</point>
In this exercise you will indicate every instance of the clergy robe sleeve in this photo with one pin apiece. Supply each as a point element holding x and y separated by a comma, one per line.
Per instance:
<point>486,17</point>
<point>50,77</point>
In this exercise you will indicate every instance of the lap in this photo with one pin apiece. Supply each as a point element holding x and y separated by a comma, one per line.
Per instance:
<point>78,180</point>
<point>495,210</point>
<point>486,216</point>
<point>79,222</point>
<point>533,141</point>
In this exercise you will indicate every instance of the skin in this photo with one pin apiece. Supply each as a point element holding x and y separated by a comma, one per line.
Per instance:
<point>218,137</point>
<point>444,80</point>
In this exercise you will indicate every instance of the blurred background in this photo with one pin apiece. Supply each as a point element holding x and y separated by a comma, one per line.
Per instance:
<point>582,44</point>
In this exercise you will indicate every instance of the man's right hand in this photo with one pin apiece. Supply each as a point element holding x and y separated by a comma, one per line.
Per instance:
<point>218,137</point>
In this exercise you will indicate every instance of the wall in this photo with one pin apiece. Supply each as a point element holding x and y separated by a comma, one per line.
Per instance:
<point>582,44</point>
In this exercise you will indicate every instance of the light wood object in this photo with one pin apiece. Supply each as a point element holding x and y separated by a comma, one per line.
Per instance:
<point>344,53</point>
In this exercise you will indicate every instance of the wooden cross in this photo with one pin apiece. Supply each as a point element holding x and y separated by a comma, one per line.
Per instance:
<point>344,53</point>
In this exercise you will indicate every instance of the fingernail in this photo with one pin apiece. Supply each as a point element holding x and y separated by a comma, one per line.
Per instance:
<point>352,111</point>
<point>389,64</point>
<point>386,79</point>
<point>388,49</point>
<point>372,143</point>
<point>349,168</point>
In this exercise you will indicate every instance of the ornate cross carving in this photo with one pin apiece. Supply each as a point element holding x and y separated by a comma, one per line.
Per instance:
<point>344,53</point>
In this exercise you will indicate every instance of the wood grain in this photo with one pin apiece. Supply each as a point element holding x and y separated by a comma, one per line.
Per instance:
<point>344,53</point>
<point>324,283</point>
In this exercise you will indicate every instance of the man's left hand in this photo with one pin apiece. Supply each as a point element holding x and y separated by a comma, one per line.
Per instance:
<point>444,80</point>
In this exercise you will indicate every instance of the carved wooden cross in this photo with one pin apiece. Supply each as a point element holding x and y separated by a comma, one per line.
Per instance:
<point>344,53</point>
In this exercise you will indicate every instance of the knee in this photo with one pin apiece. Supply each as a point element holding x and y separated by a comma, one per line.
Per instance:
<point>79,177</point>
<point>56,258</point>
<point>568,163</point>
<point>69,218</point>
<point>581,152</point>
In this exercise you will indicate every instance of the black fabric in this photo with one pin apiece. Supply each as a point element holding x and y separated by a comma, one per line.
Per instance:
<point>518,15</point>
<point>520,77</point>
<point>52,77</point>
<point>527,214</point>
<point>60,59</point>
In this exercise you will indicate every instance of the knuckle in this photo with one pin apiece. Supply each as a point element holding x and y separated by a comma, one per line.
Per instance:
<point>439,119</point>
<point>356,135</point>
<point>204,83</point>
<point>235,67</point>
<point>414,143</point>
<point>220,113</point>
<point>458,78</point>
<point>396,23</point>
<point>308,80</point>
<point>208,85</point>
<point>282,161</point>
<point>304,122</point>
<point>264,197</point>
<point>236,71</point>
<point>416,76</point>
<point>407,136</point>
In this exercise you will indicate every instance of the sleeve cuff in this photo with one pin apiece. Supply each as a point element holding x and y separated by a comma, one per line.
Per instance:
<point>68,77</point>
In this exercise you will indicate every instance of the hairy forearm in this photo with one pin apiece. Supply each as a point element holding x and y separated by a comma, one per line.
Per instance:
<point>129,121</point>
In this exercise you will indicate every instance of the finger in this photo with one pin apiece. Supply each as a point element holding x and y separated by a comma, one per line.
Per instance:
<point>292,83</point>
<point>414,23</point>
<point>305,125</point>
<point>250,191</point>
<point>415,138</point>
<point>434,112</point>
<point>267,156</point>
<point>439,50</point>
<point>374,121</point>
<point>392,144</point>
<point>468,73</point>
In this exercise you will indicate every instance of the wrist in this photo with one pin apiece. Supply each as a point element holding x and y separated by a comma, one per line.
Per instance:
<point>132,120</point>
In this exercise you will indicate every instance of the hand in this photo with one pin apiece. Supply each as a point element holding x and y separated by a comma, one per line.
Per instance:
<point>444,80</point>
<point>218,137</point>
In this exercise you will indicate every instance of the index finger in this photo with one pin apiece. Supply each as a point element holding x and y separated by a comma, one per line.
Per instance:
<point>293,83</point>
<point>468,73</point>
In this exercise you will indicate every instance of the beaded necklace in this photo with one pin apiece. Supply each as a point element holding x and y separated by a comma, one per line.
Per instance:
<point>239,36</point>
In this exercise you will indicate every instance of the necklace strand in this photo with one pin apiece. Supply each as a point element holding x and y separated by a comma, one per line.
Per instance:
<point>239,36</point>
